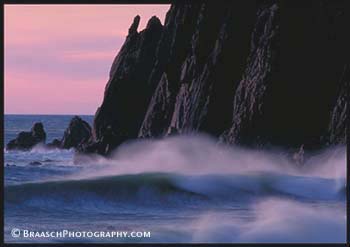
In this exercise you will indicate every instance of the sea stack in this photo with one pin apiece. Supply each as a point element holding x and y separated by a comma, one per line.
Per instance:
<point>77,133</point>
<point>27,140</point>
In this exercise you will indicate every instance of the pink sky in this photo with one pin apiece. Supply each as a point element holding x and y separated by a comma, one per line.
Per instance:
<point>57,57</point>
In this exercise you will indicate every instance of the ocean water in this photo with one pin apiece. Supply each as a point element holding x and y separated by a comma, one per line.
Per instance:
<point>180,189</point>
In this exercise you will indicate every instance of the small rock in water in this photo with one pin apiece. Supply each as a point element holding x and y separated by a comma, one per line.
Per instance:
<point>48,160</point>
<point>54,144</point>
<point>35,163</point>
<point>10,165</point>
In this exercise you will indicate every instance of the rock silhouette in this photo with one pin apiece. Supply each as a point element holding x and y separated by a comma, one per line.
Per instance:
<point>77,133</point>
<point>27,140</point>
<point>127,92</point>
<point>252,73</point>
<point>54,144</point>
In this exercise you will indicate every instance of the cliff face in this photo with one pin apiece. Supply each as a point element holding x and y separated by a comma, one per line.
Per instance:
<point>174,46</point>
<point>250,72</point>
<point>339,126</point>
<point>201,81</point>
<point>292,77</point>
<point>127,92</point>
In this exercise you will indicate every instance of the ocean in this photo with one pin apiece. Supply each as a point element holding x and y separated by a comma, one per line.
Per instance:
<point>186,189</point>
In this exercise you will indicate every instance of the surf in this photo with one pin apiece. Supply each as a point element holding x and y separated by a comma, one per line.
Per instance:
<point>206,191</point>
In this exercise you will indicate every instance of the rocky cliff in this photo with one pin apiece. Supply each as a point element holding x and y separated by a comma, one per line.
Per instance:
<point>338,127</point>
<point>293,75</point>
<point>257,72</point>
<point>128,92</point>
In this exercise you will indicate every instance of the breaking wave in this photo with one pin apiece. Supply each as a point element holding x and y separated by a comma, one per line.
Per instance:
<point>277,200</point>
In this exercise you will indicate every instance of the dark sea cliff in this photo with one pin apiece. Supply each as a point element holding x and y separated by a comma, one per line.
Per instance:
<point>227,124</point>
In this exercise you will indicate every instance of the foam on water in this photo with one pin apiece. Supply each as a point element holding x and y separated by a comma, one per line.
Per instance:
<point>185,189</point>
<point>276,220</point>
<point>200,154</point>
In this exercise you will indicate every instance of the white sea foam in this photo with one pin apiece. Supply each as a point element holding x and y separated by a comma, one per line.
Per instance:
<point>276,220</point>
<point>201,154</point>
<point>240,195</point>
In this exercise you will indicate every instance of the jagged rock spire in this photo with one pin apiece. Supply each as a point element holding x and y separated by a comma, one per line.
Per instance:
<point>134,25</point>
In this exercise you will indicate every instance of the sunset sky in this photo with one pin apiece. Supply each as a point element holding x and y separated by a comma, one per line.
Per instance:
<point>57,57</point>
